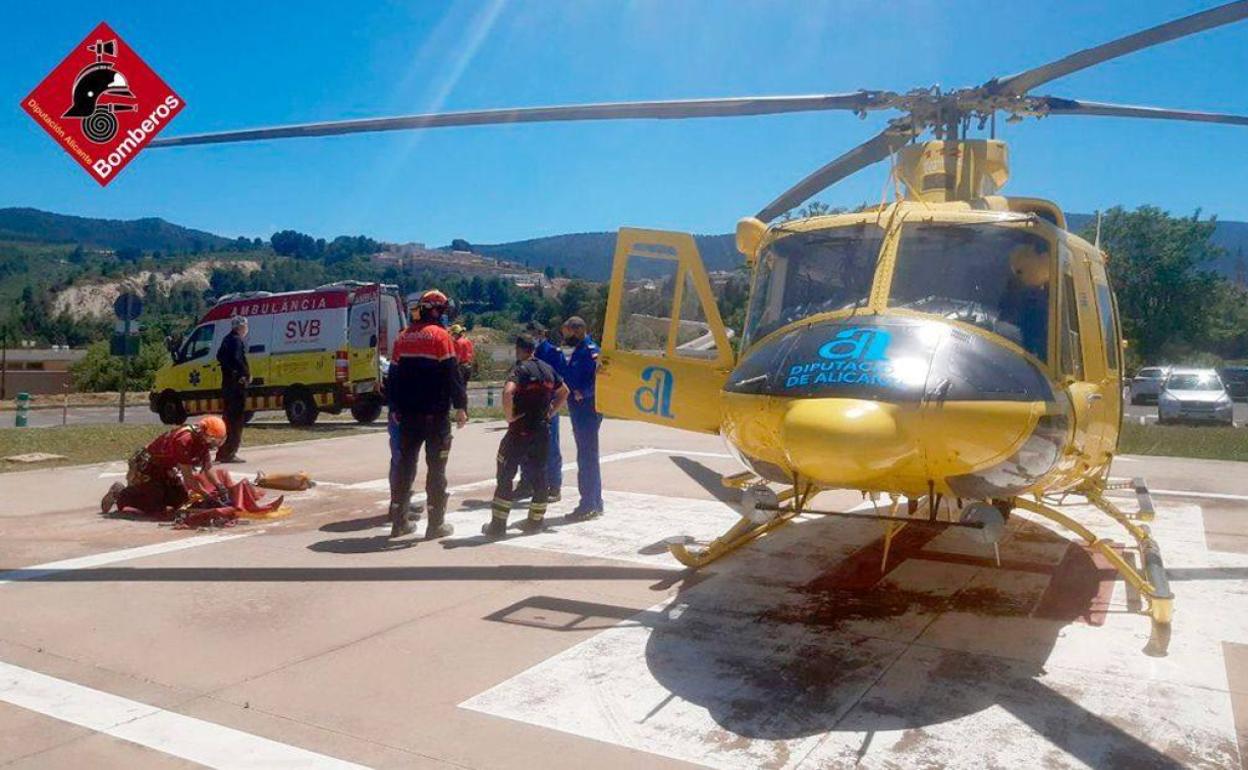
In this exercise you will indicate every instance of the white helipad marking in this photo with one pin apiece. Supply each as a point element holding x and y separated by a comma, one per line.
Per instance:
<point>1207,495</point>
<point>111,557</point>
<point>627,533</point>
<point>178,735</point>
<point>752,668</point>
<point>691,453</point>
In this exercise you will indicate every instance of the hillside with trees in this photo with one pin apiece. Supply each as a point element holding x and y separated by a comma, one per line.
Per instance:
<point>1174,277</point>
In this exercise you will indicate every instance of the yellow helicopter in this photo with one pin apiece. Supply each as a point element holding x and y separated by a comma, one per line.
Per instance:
<point>954,350</point>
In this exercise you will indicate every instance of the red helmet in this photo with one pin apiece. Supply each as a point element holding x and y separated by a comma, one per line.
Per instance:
<point>433,298</point>
<point>213,427</point>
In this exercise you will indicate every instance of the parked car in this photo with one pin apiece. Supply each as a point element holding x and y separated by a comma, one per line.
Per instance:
<point>1146,384</point>
<point>1194,395</point>
<point>1235,378</point>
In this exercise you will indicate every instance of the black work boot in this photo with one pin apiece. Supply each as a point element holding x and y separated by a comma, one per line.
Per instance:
<point>110,497</point>
<point>532,525</point>
<point>494,528</point>
<point>437,526</point>
<point>400,524</point>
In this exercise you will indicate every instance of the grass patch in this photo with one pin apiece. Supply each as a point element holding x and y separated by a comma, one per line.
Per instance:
<point>82,444</point>
<point>1204,442</point>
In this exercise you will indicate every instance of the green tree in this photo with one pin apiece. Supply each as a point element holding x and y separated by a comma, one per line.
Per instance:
<point>1158,269</point>
<point>99,371</point>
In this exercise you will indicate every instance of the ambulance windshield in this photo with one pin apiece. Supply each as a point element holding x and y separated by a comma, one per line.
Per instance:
<point>818,271</point>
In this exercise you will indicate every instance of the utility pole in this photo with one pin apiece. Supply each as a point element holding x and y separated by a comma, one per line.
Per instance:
<point>125,371</point>
<point>4,362</point>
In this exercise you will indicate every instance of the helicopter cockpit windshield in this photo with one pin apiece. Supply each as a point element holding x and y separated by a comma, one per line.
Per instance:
<point>990,275</point>
<point>810,272</point>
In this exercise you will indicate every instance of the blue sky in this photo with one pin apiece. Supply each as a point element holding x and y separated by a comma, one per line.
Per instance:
<point>258,63</point>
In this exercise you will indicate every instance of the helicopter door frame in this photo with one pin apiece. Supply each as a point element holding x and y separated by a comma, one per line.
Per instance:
<point>1088,394</point>
<point>1111,376</point>
<point>664,386</point>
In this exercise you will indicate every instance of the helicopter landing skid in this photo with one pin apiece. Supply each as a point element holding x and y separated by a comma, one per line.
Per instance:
<point>746,530</point>
<point>1151,582</point>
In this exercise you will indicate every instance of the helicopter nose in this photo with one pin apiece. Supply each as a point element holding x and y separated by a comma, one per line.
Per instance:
<point>854,440</point>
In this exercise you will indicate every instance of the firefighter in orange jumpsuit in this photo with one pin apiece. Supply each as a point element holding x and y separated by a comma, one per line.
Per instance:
<point>422,385</point>
<point>160,472</point>
<point>464,351</point>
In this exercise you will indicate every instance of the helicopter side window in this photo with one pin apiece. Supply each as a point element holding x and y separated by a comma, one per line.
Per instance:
<point>694,338</point>
<point>646,304</point>
<point>812,272</point>
<point>1109,332</point>
<point>1072,349</point>
<point>992,276</point>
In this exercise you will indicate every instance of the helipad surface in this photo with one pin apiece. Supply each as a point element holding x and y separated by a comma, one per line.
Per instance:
<point>317,642</point>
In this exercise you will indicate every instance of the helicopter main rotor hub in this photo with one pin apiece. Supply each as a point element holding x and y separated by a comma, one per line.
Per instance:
<point>941,111</point>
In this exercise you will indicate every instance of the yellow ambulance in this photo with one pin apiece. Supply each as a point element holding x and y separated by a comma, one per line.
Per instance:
<point>309,352</point>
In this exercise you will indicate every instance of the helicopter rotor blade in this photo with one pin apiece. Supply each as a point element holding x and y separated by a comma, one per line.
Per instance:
<point>871,151</point>
<point>1059,106</point>
<point>672,109</point>
<point>1016,85</point>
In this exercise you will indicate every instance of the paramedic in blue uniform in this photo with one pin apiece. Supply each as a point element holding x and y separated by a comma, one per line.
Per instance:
<point>550,354</point>
<point>581,374</point>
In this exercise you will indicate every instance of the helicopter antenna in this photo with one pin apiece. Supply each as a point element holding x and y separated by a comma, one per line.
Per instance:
<point>1098,230</point>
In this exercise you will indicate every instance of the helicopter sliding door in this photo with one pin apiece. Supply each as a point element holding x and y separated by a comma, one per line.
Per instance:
<point>665,351</point>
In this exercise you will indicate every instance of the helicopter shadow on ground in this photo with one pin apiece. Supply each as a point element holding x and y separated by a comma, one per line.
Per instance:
<point>777,660</point>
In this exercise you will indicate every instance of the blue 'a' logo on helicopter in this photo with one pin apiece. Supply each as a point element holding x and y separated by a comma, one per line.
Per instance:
<point>856,344</point>
<point>655,397</point>
<point>854,356</point>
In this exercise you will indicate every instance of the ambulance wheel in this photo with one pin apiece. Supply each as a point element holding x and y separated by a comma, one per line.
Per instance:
<point>366,411</point>
<point>301,408</point>
<point>171,410</point>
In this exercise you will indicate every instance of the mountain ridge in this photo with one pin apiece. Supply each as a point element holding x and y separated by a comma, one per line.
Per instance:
<point>585,255</point>
<point>147,234</point>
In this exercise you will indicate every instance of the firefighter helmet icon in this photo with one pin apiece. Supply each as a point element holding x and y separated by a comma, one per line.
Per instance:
<point>100,92</point>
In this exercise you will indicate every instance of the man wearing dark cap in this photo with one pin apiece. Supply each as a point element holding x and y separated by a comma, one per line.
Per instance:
<point>533,394</point>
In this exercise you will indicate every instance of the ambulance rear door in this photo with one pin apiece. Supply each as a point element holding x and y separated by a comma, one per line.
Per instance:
<point>259,341</point>
<point>364,332</point>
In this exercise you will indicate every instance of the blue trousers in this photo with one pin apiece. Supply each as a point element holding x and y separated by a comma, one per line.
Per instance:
<point>585,424</point>
<point>392,427</point>
<point>554,459</point>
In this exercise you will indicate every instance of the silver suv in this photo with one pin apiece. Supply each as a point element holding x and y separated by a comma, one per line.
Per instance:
<point>1194,395</point>
<point>1146,384</point>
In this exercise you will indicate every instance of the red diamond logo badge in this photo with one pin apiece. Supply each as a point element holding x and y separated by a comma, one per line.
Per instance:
<point>102,104</point>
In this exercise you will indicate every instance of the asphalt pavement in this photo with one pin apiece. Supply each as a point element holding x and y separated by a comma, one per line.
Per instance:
<point>313,640</point>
